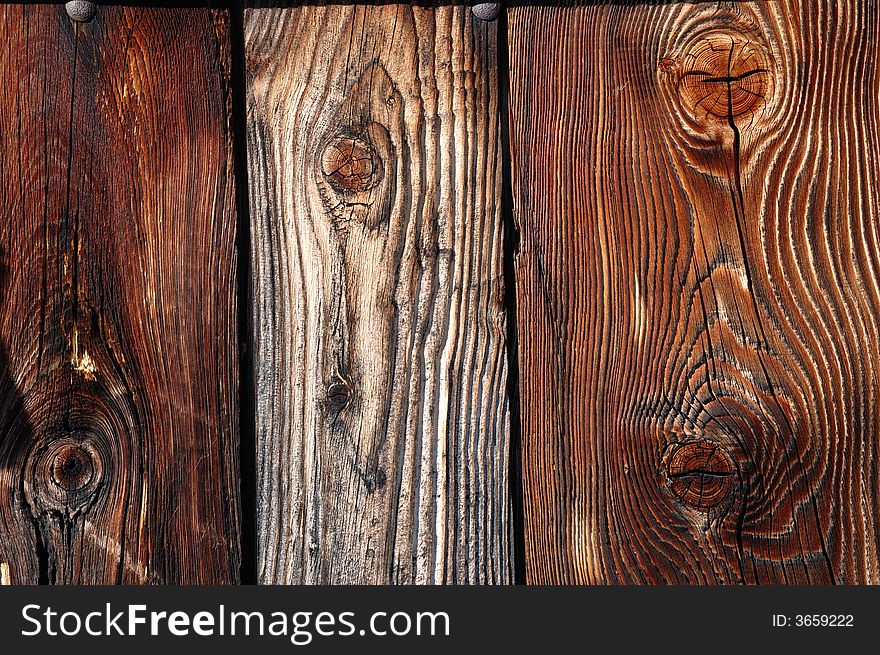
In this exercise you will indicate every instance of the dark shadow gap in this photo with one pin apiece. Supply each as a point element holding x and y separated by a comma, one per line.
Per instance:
<point>511,247</point>
<point>265,4</point>
<point>247,391</point>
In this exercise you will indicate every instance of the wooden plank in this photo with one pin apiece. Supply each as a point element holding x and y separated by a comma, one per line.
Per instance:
<point>698,287</point>
<point>380,367</point>
<point>118,377</point>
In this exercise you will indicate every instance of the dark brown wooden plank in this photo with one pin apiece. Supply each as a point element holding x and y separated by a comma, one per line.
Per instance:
<point>118,377</point>
<point>374,168</point>
<point>698,286</point>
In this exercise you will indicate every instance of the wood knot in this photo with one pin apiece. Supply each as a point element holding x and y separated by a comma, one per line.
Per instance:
<point>375,480</point>
<point>700,474</point>
<point>351,164</point>
<point>338,395</point>
<point>721,77</point>
<point>66,475</point>
<point>72,468</point>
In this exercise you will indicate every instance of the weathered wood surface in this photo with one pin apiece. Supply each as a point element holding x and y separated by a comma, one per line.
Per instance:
<point>380,367</point>
<point>118,377</point>
<point>698,288</point>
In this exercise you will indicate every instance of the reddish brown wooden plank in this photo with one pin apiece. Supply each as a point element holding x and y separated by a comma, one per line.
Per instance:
<point>698,286</point>
<point>118,379</point>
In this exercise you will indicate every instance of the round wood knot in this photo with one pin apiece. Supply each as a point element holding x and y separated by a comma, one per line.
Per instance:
<point>67,474</point>
<point>722,77</point>
<point>351,164</point>
<point>700,473</point>
<point>72,468</point>
<point>338,397</point>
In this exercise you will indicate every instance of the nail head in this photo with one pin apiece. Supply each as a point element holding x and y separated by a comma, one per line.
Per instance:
<point>80,10</point>
<point>486,10</point>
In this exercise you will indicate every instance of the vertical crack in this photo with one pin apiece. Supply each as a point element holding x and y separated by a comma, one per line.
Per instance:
<point>247,428</point>
<point>738,200</point>
<point>510,250</point>
<point>74,301</point>
<point>44,563</point>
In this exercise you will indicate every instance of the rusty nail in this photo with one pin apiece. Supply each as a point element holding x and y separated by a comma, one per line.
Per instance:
<point>487,10</point>
<point>80,10</point>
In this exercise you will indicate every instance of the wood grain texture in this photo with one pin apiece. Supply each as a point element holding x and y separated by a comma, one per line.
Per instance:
<point>118,376</point>
<point>382,417</point>
<point>698,287</point>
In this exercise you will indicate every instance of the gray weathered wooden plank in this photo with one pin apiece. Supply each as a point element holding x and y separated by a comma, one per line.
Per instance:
<point>380,367</point>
